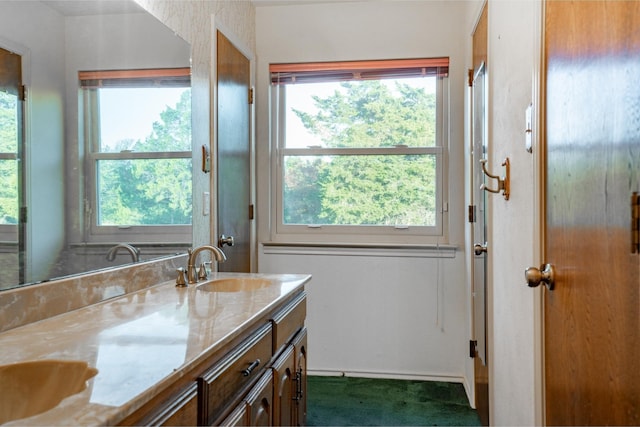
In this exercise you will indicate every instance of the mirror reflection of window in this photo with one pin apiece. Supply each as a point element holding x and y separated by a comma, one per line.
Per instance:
<point>11,147</point>
<point>8,159</point>
<point>137,127</point>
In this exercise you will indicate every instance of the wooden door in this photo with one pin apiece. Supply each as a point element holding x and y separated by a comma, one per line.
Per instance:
<point>234,154</point>
<point>478,81</point>
<point>592,139</point>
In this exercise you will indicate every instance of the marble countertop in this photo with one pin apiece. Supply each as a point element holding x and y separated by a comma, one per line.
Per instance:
<point>140,343</point>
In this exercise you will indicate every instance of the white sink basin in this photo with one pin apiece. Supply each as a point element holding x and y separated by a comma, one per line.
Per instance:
<point>30,388</point>
<point>235,284</point>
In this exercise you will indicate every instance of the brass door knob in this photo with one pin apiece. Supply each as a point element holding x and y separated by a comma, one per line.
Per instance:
<point>225,240</point>
<point>479,249</point>
<point>545,274</point>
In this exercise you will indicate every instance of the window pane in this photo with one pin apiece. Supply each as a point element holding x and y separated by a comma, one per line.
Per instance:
<point>8,192</point>
<point>8,167</point>
<point>145,119</point>
<point>8,123</point>
<point>357,114</point>
<point>144,192</point>
<point>360,190</point>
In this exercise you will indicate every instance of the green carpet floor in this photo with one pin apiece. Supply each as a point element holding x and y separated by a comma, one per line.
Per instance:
<point>345,401</point>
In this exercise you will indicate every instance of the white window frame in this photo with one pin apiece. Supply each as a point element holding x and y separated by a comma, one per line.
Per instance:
<point>141,234</point>
<point>282,233</point>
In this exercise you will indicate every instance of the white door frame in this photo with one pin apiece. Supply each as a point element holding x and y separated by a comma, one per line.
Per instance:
<point>539,174</point>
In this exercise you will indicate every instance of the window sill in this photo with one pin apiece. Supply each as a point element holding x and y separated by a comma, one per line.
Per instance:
<point>380,250</point>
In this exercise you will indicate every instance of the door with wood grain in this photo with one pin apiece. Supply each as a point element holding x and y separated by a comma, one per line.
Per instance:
<point>592,150</point>
<point>477,215</point>
<point>234,155</point>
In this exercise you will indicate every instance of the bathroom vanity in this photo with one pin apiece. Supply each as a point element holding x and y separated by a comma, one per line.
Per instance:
<point>227,351</point>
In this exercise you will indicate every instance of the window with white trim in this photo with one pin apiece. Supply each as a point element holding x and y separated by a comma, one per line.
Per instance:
<point>360,151</point>
<point>9,170</point>
<point>137,137</point>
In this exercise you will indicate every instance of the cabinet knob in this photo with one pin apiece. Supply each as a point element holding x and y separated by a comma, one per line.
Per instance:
<point>250,368</point>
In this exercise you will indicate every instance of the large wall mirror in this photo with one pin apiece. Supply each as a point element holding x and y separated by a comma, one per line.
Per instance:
<point>95,158</point>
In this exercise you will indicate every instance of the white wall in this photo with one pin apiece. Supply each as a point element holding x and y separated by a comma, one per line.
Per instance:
<point>193,21</point>
<point>512,63</point>
<point>389,313</point>
<point>22,25</point>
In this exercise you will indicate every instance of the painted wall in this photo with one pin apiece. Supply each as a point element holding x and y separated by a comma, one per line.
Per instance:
<point>287,33</point>
<point>21,27</point>
<point>193,20</point>
<point>397,313</point>
<point>512,61</point>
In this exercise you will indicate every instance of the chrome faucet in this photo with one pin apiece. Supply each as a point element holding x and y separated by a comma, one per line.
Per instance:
<point>135,252</point>
<point>218,255</point>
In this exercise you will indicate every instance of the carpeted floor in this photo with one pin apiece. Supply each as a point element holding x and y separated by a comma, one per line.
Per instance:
<point>345,401</point>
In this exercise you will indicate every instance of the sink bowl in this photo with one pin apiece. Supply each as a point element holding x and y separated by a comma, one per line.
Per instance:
<point>30,388</point>
<point>235,284</point>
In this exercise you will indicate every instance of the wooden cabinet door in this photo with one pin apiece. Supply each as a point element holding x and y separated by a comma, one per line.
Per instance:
<point>300,408</point>
<point>259,401</point>
<point>284,388</point>
<point>239,417</point>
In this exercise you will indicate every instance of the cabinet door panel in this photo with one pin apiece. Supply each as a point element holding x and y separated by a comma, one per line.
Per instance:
<point>259,401</point>
<point>239,417</point>
<point>284,388</point>
<point>300,345</point>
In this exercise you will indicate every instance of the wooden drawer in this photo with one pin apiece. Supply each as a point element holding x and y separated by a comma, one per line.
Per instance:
<point>288,321</point>
<point>226,381</point>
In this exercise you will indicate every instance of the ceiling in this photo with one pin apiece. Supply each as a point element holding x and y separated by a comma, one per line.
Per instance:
<point>258,3</point>
<point>93,7</point>
<point>116,7</point>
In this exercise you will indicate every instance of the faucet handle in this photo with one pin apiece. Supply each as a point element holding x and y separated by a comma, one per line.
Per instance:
<point>180,280</point>
<point>202,272</point>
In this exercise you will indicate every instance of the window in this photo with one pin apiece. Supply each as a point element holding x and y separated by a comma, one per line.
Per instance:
<point>9,129</point>
<point>137,128</point>
<point>360,150</point>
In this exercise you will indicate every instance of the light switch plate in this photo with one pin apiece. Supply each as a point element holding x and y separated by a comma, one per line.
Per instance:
<point>206,203</point>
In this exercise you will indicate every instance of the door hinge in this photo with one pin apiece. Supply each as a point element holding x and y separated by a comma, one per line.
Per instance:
<point>251,211</point>
<point>470,77</point>
<point>22,92</point>
<point>472,213</point>
<point>250,96</point>
<point>635,223</point>
<point>473,345</point>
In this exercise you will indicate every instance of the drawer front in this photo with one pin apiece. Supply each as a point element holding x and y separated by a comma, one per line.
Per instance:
<point>288,321</point>
<point>222,384</point>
